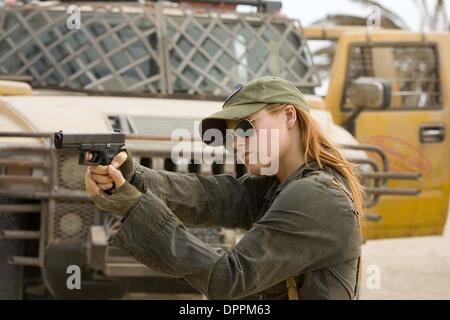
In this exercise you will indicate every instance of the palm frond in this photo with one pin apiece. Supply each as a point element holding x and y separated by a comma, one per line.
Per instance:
<point>351,20</point>
<point>385,12</point>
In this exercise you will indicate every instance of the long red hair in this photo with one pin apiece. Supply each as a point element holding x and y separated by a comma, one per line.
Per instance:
<point>317,146</point>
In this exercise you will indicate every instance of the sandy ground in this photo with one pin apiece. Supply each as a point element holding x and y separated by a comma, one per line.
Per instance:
<point>410,268</point>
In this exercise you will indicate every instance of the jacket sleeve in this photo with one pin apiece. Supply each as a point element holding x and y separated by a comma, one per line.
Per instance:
<point>216,200</point>
<point>288,240</point>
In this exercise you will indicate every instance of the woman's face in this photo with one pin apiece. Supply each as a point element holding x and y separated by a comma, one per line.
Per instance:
<point>262,152</point>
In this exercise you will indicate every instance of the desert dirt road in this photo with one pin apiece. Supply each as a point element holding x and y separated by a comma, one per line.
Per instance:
<point>410,268</point>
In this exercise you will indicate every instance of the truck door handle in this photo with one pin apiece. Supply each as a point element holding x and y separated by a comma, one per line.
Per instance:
<point>432,133</point>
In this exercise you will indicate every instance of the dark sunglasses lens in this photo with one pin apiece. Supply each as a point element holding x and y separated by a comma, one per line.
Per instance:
<point>244,129</point>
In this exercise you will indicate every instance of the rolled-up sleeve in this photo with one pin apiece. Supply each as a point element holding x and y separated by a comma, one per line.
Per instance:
<point>290,239</point>
<point>215,200</point>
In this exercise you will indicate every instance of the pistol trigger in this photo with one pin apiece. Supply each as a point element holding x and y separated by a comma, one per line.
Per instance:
<point>85,161</point>
<point>95,159</point>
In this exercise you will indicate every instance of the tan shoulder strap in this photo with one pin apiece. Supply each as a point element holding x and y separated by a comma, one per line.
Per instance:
<point>291,285</point>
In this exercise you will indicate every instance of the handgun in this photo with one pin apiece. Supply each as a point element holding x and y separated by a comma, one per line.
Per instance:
<point>102,146</point>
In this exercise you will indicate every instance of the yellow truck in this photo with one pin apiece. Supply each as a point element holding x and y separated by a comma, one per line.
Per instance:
<point>411,128</point>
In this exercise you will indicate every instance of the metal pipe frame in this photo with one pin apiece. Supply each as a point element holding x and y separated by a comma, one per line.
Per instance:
<point>50,192</point>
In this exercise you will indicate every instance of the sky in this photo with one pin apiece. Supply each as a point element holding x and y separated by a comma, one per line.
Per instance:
<point>310,11</point>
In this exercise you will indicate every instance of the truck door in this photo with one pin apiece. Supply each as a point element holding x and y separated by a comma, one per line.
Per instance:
<point>412,129</point>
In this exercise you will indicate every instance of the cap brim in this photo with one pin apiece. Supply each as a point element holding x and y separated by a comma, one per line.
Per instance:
<point>218,121</point>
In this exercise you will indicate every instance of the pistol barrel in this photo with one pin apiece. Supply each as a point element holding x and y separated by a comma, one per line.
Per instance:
<point>76,140</point>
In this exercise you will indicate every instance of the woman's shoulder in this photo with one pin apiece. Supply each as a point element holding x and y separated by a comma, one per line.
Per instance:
<point>314,202</point>
<point>319,188</point>
<point>310,180</point>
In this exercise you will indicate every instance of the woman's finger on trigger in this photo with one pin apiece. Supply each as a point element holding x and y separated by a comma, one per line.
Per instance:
<point>119,159</point>
<point>91,186</point>
<point>101,178</point>
<point>88,156</point>
<point>117,176</point>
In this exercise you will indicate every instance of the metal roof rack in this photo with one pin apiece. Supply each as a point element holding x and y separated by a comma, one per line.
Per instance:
<point>267,6</point>
<point>151,48</point>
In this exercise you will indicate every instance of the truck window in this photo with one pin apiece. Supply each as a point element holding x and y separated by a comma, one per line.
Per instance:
<point>412,70</point>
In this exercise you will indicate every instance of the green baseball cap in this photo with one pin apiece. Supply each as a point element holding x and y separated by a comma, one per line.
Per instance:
<point>250,97</point>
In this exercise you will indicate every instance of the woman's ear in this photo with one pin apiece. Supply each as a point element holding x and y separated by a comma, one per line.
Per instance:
<point>291,116</point>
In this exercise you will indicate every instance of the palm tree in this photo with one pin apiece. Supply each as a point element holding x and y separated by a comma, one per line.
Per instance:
<point>432,17</point>
<point>389,19</point>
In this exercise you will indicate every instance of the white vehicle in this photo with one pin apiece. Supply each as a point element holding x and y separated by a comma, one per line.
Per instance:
<point>144,69</point>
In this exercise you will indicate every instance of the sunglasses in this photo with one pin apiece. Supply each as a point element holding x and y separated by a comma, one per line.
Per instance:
<point>244,128</point>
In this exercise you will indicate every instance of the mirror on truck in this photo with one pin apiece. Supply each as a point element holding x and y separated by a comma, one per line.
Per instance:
<point>365,93</point>
<point>370,93</point>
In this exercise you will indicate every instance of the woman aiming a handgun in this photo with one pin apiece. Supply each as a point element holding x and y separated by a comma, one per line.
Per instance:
<point>303,239</point>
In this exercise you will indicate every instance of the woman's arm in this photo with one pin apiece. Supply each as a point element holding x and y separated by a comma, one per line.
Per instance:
<point>299,233</point>
<point>213,200</point>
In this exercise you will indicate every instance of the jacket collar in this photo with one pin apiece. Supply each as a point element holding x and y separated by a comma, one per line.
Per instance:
<point>312,165</point>
<point>297,174</point>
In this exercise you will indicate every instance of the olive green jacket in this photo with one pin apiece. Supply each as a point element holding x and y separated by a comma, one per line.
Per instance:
<point>305,227</point>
